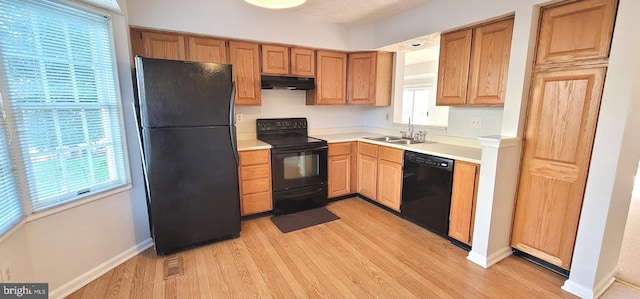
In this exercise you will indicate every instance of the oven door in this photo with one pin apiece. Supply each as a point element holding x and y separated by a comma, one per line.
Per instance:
<point>298,167</point>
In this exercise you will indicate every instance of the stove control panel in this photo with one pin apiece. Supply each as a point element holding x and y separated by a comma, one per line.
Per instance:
<point>281,124</point>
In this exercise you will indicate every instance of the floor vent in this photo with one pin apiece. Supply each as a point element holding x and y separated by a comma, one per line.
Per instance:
<point>173,267</point>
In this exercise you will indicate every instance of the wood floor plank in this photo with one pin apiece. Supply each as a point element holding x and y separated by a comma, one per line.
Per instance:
<point>367,253</point>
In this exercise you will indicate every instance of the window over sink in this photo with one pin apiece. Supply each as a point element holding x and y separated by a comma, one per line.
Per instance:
<point>419,63</point>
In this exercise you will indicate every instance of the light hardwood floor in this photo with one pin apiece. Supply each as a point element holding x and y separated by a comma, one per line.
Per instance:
<point>368,253</point>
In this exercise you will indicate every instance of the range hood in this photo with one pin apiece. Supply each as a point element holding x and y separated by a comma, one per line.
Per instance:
<point>284,82</point>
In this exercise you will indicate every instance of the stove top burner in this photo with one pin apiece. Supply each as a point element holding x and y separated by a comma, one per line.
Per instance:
<point>286,132</point>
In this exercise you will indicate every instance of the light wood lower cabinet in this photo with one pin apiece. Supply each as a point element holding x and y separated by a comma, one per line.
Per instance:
<point>380,174</point>
<point>463,201</point>
<point>340,169</point>
<point>390,177</point>
<point>255,182</point>
<point>367,169</point>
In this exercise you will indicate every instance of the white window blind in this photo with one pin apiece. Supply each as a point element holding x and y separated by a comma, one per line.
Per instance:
<point>11,211</point>
<point>60,83</point>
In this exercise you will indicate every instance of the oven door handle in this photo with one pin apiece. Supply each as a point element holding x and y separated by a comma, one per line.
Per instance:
<point>298,149</point>
<point>301,193</point>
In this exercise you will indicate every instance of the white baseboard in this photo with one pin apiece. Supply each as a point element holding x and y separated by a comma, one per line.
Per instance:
<point>490,260</point>
<point>587,293</point>
<point>89,276</point>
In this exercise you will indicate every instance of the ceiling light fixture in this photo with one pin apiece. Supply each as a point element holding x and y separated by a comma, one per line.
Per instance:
<point>276,4</point>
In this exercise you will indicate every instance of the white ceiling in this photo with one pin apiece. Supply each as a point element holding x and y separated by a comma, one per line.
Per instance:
<point>354,12</point>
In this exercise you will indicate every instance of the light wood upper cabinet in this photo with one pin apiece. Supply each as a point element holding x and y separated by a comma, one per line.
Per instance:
<point>204,49</point>
<point>255,182</point>
<point>369,78</point>
<point>340,169</point>
<point>283,60</point>
<point>245,58</point>
<point>463,201</point>
<point>158,45</point>
<point>303,62</point>
<point>490,63</point>
<point>576,31</point>
<point>331,79</point>
<point>275,60</point>
<point>473,65</point>
<point>453,68</point>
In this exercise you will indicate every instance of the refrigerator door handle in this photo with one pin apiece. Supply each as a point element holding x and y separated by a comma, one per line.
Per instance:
<point>232,121</point>
<point>234,146</point>
<point>232,105</point>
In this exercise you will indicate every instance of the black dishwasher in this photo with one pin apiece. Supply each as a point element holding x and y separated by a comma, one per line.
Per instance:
<point>426,191</point>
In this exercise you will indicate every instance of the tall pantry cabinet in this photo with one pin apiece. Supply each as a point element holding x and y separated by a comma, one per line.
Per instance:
<point>566,88</point>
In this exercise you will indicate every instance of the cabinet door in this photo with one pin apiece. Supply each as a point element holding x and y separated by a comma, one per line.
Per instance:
<point>490,63</point>
<point>361,76</point>
<point>246,70</point>
<point>203,49</point>
<point>303,62</point>
<point>558,140</point>
<point>339,175</point>
<point>463,197</point>
<point>162,45</point>
<point>389,184</point>
<point>331,80</point>
<point>576,31</point>
<point>367,176</point>
<point>453,68</point>
<point>275,60</point>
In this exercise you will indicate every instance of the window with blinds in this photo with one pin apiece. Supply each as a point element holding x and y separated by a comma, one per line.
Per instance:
<point>60,91</point>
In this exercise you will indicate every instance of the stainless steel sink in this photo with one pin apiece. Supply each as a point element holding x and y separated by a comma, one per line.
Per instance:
<point>407,141</point>
<point>385,138</point>
<point>397,140</point>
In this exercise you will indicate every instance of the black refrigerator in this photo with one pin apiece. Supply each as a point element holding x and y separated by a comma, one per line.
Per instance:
<point>188,144</point>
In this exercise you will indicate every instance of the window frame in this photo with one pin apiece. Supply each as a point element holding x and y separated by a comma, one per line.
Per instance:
<point>400,87</point>
<point>15,150</point>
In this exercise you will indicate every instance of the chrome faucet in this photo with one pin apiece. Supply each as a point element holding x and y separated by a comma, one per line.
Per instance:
<point>409,133</point>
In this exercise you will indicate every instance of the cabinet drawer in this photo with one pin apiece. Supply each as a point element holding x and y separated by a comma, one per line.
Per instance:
<point>255,186</point>
<point>255,172</point>
<point>336,149</point>
<point>256,203</point>
<point>390,154</point>
<point>254,157</point>
<point>368,149</point>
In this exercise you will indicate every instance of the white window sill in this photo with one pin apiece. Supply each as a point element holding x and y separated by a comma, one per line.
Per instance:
<point>73,204</point>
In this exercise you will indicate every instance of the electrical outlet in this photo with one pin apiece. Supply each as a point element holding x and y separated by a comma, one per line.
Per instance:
<point>6,272</point>
<point>239,118</point>
<point>386,117</point>
<point>476,122</point>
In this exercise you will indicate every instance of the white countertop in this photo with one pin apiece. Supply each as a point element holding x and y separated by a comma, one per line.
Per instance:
<point>252,144</point>
<point>440,149</point>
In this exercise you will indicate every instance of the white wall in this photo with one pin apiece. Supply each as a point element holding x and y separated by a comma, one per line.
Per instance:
<point>15,254</point>
<point>291,103</point>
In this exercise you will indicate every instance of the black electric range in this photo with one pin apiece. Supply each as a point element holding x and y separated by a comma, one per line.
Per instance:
<point>298,164</point>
